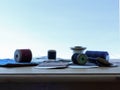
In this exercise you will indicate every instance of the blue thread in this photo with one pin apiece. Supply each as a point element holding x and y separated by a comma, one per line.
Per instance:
<point>51,54</point>
<point>96,54</point>
<point>79,59</point>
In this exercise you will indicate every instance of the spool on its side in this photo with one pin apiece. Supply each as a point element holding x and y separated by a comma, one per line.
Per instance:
<point>23,55</point>
<point>96,54</point>
<point>80,59</point>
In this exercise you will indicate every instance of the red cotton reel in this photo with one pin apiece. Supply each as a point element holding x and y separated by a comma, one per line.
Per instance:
<point>23,55</point>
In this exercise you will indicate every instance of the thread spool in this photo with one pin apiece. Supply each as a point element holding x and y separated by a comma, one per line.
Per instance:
<point>23,55</point>
<point>51,54</point>
<point>99,61</point>
<point>96,54</point>
<point>78,49</point>
<point>80,59</point>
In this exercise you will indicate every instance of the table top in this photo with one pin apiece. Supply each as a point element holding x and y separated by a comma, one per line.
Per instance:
<point>33,74</point>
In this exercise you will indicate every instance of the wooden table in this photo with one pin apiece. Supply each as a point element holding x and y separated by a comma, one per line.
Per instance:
<point>31,78</point>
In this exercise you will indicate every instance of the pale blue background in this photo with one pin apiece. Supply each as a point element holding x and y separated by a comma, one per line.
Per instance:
<point>59,24</point>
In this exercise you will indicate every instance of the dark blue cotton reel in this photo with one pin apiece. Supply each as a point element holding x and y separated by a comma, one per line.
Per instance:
<point>51,54</point>
<point>80,59</point>
<point>96,54</point>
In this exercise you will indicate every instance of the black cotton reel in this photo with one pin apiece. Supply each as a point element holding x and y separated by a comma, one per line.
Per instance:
<point>80,59</point>
<point>51,54</point>
<point>23,55</point>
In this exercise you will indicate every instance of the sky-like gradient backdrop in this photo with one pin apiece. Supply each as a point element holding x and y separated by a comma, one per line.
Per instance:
<point>59,24</point>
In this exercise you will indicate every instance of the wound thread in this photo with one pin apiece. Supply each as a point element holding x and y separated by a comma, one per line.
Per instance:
<point>51,54</point>
<point>23,55</point>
